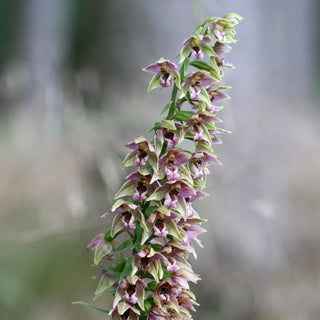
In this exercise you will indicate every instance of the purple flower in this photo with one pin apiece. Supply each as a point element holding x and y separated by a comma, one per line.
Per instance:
<point>124,311</point>
<point>199,161</point>
<point>126,214</point>
<point>196,45</point>
<point>131,290</point>
<point>165,71</point>
<point>170,163</point>
<point>143,152</point>
<point>195,84</point>
<point>216,95</point>
<point>169,135</point>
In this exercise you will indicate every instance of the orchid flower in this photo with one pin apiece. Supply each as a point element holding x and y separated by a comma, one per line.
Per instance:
<point>165,71</point>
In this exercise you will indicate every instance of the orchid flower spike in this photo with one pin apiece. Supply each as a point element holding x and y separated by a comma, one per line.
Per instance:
<point>143,256</point>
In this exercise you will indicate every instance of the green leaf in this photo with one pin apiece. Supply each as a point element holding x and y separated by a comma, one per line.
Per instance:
<point>108,236</point>
<point>127,269</point>
<point>152,286</point>
<point>157,247</point>
<point>149,210</point>
<point>103,293</point>
<point>90,306</point>
<point>124,245</point>
<point>120,266</point>
<point>201,65</point>
<point>137,241</point>
<point>157,126</point>
<point>183,115</point>
<point>165,109</point>
<point>148,303</point>
<point>167,274</point>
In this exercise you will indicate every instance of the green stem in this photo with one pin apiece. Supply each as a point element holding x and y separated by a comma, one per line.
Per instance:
<point>183,70</point>
<point>173,103</point>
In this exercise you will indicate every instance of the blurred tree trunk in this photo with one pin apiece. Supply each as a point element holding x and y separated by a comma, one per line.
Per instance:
<point>46,33</point>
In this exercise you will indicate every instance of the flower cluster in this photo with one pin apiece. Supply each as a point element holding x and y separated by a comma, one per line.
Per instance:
<point>154,205</point>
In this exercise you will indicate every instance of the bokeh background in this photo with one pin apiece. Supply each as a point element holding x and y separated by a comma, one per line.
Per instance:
<point>72,93</point>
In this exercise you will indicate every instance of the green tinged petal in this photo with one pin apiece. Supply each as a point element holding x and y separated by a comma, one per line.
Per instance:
<point>168,124</point>
<point>106,282</point>
<point>127,189</point>
<point>129,160</point>
<point>186,50</point>
<point>101,251</point>
<point>215,69</point>
<point>155,82</point>
<point>208,50</point>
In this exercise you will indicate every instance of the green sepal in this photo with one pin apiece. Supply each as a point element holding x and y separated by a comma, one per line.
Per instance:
<point>90,306</point>
<point>101,251</point>
<point>105,283</point>
<point>208,50</point>
<point>128,160</point>
<point>155,82</point>
<point>205,96</point>
<point>127,189</point>
<point>203,146</point>
<point>202,105</point>
<point>215,69</point>
<point>157,195</point>
<point>185,51</point>
<point>211,126</point>
<point>233,15</point>
<point>185,175</point>
<point>209,20</point>
<point>168,124</point>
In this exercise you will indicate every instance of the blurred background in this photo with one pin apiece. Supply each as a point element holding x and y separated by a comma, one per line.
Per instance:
<point>72,93</point>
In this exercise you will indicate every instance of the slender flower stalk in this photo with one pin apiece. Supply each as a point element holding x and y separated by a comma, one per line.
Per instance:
<point>154,205</point>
